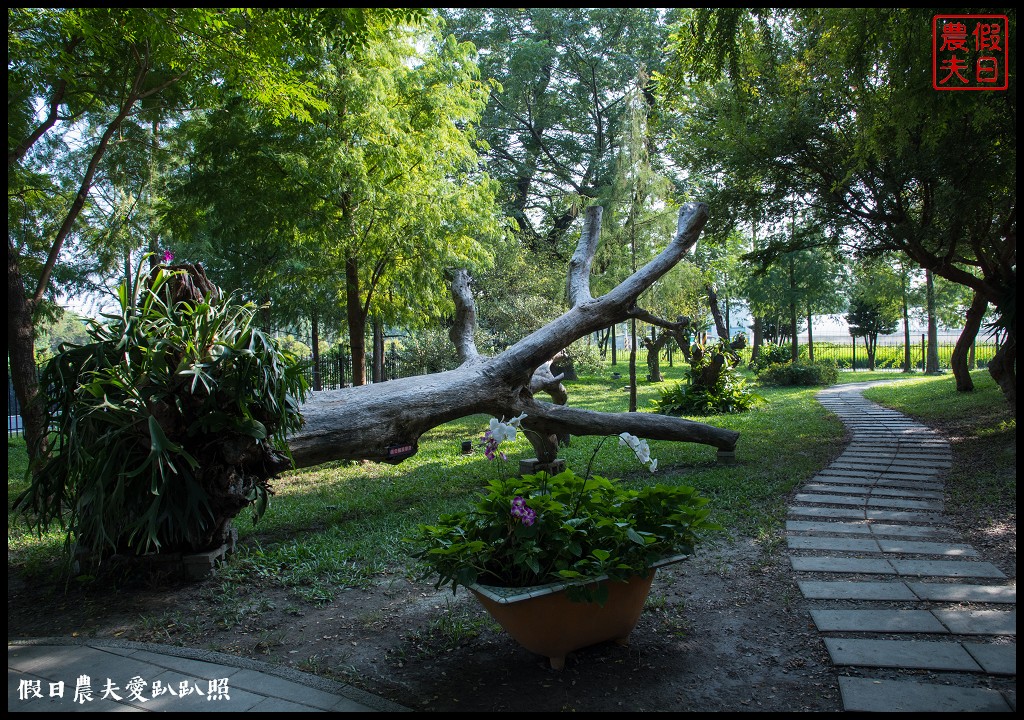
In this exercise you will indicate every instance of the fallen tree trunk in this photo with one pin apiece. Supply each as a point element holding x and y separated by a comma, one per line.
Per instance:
<point>383,422</point>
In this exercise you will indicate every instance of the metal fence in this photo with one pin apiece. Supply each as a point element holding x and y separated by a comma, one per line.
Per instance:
<point>334,370</point>
<point>890,352</point>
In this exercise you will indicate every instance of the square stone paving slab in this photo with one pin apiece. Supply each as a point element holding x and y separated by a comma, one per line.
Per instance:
<point>935,505</point>
<point>826,512</point>
<point>958,592</point>
<point>978,622</point>
<point>831,499</point>
<point>868,695</point>
<point>884,529</point>
<point>831,564</point>
<point>887,621</point>
<point>916,547</point>
<point>844,528</point>
<point>913,516</point>
<point>995,659</point>
<point>832,543</point>
<point>946,568</point>
<point>911,654</point>
<point>851,590</point>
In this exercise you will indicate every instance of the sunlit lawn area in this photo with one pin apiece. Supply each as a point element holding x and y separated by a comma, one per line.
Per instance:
<point>343,524</point>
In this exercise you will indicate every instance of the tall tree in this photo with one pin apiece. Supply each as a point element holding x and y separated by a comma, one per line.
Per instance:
<point>836,106</point>
<point>376,197</point>
<point>555,118</point>
<point>875,304</point>
<point>76,77</point>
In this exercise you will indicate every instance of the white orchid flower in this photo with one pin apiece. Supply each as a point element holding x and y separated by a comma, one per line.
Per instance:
<point>640,448</point>
<point>502,431</point>
<point>514,422</point>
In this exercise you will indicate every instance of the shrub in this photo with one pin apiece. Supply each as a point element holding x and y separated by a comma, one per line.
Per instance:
<point>584,358</point>
<point>816,373</point>
<point>168,423</point>
<point>770,354</point>
<point>708,391</point>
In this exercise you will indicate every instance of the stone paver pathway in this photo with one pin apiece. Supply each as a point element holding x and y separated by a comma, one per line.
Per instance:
<point>913,618</point>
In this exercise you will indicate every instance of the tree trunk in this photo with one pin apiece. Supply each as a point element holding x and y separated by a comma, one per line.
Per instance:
<point>314,325</point>
<point>932,365</point>
<point>384,422</point>
<point>794,348</point>
<point>378,351</point>
<point>24,375</point>
<point>755,349</point>
<point>716,313</point>
<point>632,366</point>
<point>908,363</point>
<point>1003,369</point>
<point>728,321</point>
<point>810,333</point>
<point>21,353</point>
<point>356,321</point>
<point>965,344</point>
<point>654,347</point>
<point>869,346</point>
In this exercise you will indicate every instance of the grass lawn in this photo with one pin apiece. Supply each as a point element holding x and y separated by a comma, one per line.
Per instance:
<point>343,524</point>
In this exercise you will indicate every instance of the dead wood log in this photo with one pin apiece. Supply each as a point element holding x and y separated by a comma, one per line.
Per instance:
<point>384,421</point>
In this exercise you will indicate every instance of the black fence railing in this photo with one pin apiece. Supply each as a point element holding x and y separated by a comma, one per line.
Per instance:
<point>334,369</point>
<point>891,352</point>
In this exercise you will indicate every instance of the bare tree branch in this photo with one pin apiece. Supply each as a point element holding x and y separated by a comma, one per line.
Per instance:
<point>384,421</point>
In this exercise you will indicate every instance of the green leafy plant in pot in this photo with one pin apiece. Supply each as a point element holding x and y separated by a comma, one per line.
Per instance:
<point>167,424</point>
<point>582,535</point>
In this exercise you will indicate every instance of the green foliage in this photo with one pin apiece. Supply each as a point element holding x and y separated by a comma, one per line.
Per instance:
<point>555,126</point>
<point>819,107</point>
<point>161,422</point>
<point>355,515</point>
<point>429,350</point>
<point>867,318</point>
<point>585,358</point>
<point>584,528</point>
<point>816,373</point>
<point>770,354</point>
<point>725,392</point>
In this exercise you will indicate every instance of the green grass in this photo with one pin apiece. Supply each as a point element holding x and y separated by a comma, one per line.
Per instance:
<point>342,524</point>
<point>25,550</point>
<point>982,433</point>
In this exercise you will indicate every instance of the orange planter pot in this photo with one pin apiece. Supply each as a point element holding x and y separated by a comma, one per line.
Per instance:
<point>544,620</point>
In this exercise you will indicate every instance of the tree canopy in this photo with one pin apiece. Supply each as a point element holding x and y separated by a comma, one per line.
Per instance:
<point>834,109</point>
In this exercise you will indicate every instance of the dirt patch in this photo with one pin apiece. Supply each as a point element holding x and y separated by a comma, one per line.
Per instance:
<point>727,630</point>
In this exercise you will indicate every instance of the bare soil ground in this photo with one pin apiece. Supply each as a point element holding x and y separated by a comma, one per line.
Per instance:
<point>726,630</point>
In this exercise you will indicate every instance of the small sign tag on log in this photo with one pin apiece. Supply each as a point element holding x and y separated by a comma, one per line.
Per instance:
<point>400,452</point>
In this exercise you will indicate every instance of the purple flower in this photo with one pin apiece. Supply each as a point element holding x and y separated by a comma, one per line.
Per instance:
<point>490,445</point>
<point>168,256</point>
<point>519,510</point>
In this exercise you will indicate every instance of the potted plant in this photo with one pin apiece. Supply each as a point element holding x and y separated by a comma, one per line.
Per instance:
<point>169,422</point>
<point>563,561</point>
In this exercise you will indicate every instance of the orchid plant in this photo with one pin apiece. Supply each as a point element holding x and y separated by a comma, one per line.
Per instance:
<point>565,528</point>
